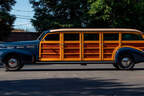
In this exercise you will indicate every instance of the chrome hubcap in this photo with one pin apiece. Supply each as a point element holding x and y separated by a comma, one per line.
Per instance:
<point>126,61</point>
<point>12,62</point>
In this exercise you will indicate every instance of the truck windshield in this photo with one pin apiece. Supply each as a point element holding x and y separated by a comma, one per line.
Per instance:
<point>41,35</point>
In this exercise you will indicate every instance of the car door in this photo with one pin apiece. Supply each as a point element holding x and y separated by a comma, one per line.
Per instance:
<point>49,48</point>
<point>91,46</point>
<point>71,46</point>
<point>110,41</point>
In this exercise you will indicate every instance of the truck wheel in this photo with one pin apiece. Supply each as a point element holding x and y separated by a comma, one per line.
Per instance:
<point>126,62</point>
<point>13,63</point>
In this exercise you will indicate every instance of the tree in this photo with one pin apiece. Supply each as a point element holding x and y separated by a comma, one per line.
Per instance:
<point>129,14</point>
<point>99,13</point>
<point>88,13</point>
<point>59,13</point>
<point>117,13</point>
<point>6,20</point>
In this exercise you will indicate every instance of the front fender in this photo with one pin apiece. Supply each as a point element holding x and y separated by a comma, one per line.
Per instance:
<point>25,56</point>
<point>135,53</point>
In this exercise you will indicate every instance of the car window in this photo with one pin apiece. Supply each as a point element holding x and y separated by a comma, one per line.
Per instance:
<point>71,36</point>
<point>41,36</point>
<point>91,36</point>
<point>111,36</point>
<point>52,37</point>
<point>129,36</point>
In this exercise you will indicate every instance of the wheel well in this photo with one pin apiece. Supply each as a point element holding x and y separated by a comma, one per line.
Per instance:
<point>9,55</point>
<point>126,53</point>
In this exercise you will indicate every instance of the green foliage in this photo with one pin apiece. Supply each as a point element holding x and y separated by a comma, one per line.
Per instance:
<point>59,13</point>
<point>99,13</point>
<point>127,13</point>
<point>88,13</point>
<point>6,20</point>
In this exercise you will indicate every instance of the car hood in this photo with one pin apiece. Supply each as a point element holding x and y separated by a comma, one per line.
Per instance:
<point>33,42</point>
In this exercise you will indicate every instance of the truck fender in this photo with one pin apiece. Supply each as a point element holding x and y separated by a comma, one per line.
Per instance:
<point>137,55</point>
<point>25,56</point>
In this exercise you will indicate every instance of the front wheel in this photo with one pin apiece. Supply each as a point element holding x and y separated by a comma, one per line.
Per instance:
<point>13,63</point>
<point>126,62</point>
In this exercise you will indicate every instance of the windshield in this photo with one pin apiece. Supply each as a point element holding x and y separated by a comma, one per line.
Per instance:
<point>41,35</point>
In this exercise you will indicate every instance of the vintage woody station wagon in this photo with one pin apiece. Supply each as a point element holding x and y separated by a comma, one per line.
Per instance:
<point>121,47</point>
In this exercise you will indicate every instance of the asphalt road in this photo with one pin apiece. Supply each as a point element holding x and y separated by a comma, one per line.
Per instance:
<point>72,80</point>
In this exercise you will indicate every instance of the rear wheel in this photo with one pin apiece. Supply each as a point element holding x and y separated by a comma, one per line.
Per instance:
<point>13,63</point>
<point>126,62</point>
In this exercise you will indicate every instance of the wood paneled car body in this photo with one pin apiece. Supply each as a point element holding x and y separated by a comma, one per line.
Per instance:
<point>121,47</point>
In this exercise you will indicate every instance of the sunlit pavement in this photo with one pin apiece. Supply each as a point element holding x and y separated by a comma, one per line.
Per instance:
<point>72,80</point>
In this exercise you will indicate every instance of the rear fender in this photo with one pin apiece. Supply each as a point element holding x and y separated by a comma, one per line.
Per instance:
<point>137,55</point>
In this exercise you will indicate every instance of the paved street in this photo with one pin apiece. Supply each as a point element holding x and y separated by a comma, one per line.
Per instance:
<point>72,80</point>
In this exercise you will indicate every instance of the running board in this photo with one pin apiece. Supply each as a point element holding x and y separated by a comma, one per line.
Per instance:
<point>77,62</point>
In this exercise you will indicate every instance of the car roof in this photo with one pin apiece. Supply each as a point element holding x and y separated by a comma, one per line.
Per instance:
<point>95,30</point>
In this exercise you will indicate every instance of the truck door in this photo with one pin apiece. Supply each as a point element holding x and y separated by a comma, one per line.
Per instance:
<point>91,46</point>
<point>49,48</point>
<point>110,41</point>
<point>71,46</point>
